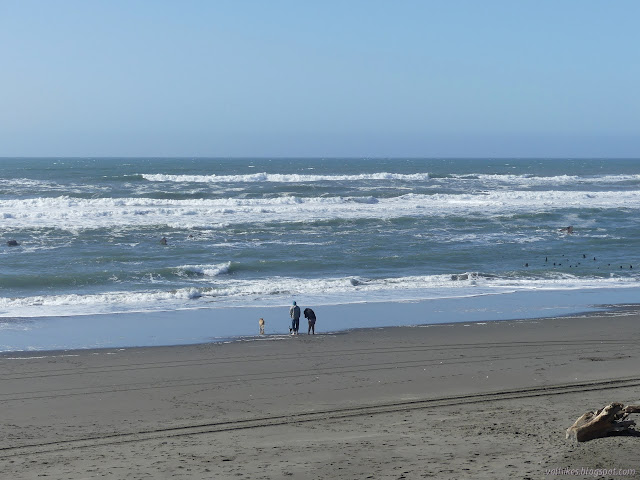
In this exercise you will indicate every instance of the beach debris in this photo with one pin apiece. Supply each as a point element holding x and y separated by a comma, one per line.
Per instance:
<point>608,421</point>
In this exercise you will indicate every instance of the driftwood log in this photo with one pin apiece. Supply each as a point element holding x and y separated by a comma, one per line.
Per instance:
<point>610,420</point>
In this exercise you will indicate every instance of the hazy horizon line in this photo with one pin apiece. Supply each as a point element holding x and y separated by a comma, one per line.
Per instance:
<point>322,157</point>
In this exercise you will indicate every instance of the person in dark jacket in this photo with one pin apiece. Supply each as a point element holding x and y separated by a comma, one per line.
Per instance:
<point>311,316</point>
<point>294,313</point>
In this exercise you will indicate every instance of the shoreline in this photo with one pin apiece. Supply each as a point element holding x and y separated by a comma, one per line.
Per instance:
<point>599,311</point>
<point>477,400</point>
<point>189,327</point>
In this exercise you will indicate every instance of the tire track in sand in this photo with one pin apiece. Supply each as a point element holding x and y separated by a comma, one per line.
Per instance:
<point>314,416</point>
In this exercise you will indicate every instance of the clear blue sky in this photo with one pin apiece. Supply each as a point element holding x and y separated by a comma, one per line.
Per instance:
<point>320,78</point>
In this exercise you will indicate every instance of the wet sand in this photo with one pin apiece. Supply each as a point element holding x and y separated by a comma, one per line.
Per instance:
<point>479,400</point>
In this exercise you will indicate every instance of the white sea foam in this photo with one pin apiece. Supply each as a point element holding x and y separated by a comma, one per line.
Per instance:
<point>522,180</point>
<point>75,213</point>
<point>278,291</point>
<point>534,180</point>
<point>21,184</point>
<point>283,178</point>
<point>205,270</point>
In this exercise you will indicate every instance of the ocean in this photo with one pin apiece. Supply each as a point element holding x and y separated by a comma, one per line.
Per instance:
<point>262,232</point>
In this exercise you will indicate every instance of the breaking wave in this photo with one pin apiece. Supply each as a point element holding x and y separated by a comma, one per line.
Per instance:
<point>77,213</point>
<point>518,180</point>
<point>276,291</point>
<point>204,270</point>
<point>283,178</point>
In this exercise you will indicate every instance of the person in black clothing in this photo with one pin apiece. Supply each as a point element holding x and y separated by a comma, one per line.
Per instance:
<point>309,315</point>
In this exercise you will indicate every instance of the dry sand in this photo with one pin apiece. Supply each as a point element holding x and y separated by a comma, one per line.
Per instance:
<point>445,401</point>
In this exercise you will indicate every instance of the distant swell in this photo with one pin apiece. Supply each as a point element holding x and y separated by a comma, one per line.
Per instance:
<point>283,178</point>
<point>533,180</point>
<point>516,180</point>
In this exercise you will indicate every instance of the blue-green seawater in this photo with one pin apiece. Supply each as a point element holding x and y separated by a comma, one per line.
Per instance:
<point>262,232</point>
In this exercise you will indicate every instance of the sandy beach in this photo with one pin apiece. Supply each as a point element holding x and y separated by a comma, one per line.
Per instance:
<point>479,400</point>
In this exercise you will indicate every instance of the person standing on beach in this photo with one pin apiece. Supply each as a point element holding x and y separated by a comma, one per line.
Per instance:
<point>311,316</point>
<point>294,313</point>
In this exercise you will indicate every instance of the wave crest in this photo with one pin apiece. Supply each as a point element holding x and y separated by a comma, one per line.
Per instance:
<point>204,270</point>
<point>283,178</point>
<point>76,213</point>
<point>277,291</point>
